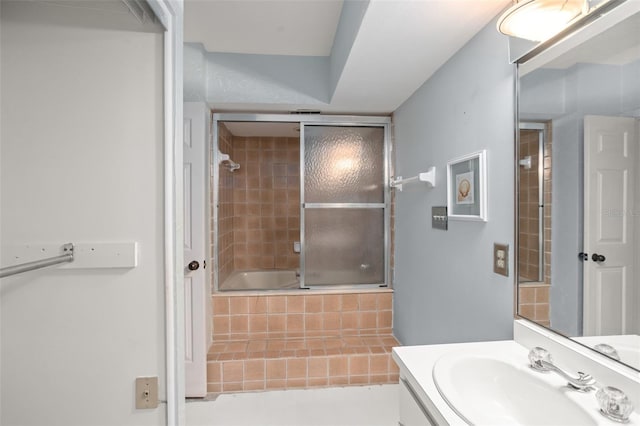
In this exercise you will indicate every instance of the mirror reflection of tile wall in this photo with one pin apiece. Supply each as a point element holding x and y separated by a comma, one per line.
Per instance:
<point>225,210</point>
<point>534,282</point>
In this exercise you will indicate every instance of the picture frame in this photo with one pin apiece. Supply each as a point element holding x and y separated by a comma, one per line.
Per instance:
<point>467,187</point>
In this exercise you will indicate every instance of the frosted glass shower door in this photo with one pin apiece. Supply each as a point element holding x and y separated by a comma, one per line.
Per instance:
<point>344,206</point>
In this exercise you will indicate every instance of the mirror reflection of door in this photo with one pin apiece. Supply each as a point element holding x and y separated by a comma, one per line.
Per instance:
<point>534,231</point>
<point>610,177</point>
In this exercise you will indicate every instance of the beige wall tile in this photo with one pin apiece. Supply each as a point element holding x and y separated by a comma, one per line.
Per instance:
<point>368,301</point>
<point>312,322</point>
<point>257,304</point>
<point>313,304</point>
<point>232,386</point>
<point>358,365</point>
<point>349,302</point>
<point>317,381</point>
<point>338,380</point>
<point>295,323</point>
<point>220,325</point>
<point>257,323</point>
<point>276,369</point>
<point>350,320</point>
<point>232,371</point>
<point>296,383</point>
<point>214,372</point>
<point>276,384</point>
<point>358,380</point>
<point>277,304</point>
<point>254,385</point>
<point>331,321</point>
<point>239,324</point>
<point>239,305</point>
<point>318,367</point>
<point>277,323</point>
<point>368,320</point>
<point>338,366</point>
<point>295,304</point>
<point>220,305</point>
<point>385,301</point>
<point>254,370</point>
<point>214,387</point>
<point>296,368</point>
<point>332,303</point>
<point>385,319</point>
<point>379,364</point>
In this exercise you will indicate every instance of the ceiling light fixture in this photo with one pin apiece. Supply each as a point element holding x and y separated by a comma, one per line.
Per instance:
<point>539,20</point>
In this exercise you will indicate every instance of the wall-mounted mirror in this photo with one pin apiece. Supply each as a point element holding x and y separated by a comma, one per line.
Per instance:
<point>579,186</point>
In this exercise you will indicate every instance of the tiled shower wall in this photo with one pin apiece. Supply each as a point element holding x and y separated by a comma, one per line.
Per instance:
<point>259,214</point>
<point>225,212</point>
<point>266,202</point>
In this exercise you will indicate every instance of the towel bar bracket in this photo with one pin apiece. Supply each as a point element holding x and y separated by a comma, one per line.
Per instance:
<point>67,256</point>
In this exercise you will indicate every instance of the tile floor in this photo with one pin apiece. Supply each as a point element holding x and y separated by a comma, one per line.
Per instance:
<point>341,406</point>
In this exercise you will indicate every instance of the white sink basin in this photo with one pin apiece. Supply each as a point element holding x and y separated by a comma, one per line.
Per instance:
<point>485,390</point>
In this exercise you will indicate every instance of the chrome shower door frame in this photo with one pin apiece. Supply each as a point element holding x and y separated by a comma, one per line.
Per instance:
<point>307,120</point>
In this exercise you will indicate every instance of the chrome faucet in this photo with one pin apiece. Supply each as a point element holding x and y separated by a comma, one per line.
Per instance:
<point>540,360</point>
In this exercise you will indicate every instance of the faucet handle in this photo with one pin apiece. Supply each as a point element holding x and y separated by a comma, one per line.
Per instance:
<point>536,356</point>
<point>607,350</point>
<point>614,404</point>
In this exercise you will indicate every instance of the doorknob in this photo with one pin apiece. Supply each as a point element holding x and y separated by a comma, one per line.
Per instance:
<point>193,265</point>
<point>597,257</point>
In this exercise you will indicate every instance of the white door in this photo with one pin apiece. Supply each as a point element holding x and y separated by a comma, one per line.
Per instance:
<point>610,158</point>
<point>196,290</point>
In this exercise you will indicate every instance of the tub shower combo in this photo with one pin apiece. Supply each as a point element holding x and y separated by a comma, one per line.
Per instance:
<point>300,252</point>
<point>300,202</point>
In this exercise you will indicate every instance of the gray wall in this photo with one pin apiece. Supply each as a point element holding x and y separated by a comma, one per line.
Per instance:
<point>233,78</point>
<point>445,288</point>
<point>81,161</point>
<point>566,96</point>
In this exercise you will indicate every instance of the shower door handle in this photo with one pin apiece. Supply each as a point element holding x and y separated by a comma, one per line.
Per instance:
<point>193,265</point>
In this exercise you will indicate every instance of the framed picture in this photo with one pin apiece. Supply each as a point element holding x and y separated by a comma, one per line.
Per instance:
<point>467,187</point>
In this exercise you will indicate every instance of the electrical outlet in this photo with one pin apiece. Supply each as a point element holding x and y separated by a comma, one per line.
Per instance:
<point>501,259</point>
<point>146,392</point>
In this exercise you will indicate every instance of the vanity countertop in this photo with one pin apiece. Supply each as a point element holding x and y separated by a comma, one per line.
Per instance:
<point>417,363</point>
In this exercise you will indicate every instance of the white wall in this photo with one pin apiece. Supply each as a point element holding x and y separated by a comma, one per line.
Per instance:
<point>445,288</point>
<point>81,161</point>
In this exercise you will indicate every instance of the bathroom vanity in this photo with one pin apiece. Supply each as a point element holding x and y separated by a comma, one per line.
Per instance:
<point>492,383</point>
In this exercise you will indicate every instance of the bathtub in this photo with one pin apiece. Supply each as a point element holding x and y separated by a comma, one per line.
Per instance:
<point>260,280</point>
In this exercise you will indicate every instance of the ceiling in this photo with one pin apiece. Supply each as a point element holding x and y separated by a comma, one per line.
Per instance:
<point>265,27</point>
<point>399,43</point>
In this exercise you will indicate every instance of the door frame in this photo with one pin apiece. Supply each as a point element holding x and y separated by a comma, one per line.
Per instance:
<point>171,14</point>
<point>302,120</point>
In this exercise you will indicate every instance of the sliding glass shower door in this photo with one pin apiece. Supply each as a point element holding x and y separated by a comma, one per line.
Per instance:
<point>344,223</point>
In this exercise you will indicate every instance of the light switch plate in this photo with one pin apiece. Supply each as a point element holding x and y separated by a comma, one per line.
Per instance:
<point>439,218</point>
<point>146,392</point>
<point>501,259</point>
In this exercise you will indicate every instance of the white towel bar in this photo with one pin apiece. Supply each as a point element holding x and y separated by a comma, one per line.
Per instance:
<point>429,177</point>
